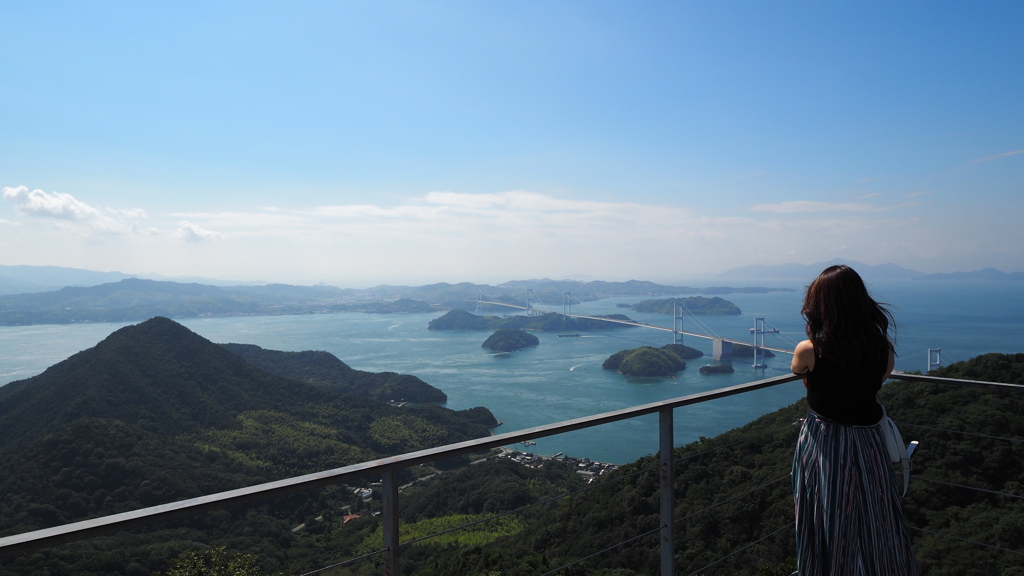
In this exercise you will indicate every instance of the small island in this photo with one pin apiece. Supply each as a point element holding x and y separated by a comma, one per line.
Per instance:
<point>510,340</point>
<point>650,361</point>
<point>697,305</point>
<point>716,369</point>
<point>747,351</point>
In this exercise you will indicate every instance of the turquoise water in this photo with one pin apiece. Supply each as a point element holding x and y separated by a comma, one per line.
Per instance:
<point>562,378</point>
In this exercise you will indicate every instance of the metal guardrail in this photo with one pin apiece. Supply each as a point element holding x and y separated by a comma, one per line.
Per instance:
<point>388,467</point>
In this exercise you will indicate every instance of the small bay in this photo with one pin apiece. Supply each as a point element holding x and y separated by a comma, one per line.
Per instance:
<point>562,378</point>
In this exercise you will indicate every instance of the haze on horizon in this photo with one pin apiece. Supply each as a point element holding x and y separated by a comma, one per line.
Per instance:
<point>408,143</point>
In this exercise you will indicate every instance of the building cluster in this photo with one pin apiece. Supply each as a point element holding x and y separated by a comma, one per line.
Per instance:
<point>589,469</point>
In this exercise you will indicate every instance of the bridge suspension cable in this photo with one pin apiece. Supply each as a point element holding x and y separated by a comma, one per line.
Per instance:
<point>568,299</point>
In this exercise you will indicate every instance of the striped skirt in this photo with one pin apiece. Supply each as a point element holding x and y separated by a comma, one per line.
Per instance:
<point>849,521</point>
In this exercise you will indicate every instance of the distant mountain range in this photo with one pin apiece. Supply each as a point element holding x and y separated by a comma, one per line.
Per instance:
<point>807,272</point>
<point>90,296</point>
<point>133,299</point>
<point>24,279</point>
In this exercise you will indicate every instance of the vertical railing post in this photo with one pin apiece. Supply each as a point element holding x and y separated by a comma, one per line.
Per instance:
<point>665,436</point>
<point>390,516</point>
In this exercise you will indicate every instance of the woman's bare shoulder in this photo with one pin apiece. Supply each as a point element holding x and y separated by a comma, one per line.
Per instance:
<point>803,357</point>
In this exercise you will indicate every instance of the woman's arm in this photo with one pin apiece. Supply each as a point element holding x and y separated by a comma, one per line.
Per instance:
<point>803,358</point>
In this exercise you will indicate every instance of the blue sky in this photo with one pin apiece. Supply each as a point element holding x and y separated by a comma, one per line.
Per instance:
<point>358,143</point>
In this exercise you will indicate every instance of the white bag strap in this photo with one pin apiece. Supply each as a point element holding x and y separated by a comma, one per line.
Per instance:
<point>896,448</point>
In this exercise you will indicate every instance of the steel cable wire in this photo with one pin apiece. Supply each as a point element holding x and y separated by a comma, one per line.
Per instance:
<point>528,506</point>
<point>599,552</point>
<point>734,498</point>
<point>652,531</point>
<point>980,435</point>
<point>345,562</point>
<point>737,441</point>
<point>574,493</point>
<point>975,488</point>
<point>698,321</point>
<point>975,542</point>
<point>738,550</point>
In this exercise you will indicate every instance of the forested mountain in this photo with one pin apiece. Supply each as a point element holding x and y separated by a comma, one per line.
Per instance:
<point>698,305</point>
<point>323,368</point>
<point>155,413</point>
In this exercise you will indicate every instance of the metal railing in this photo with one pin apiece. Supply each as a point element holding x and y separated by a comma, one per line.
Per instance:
<point>390,466</point>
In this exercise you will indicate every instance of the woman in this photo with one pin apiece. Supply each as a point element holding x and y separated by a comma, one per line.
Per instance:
<point>848,515</point>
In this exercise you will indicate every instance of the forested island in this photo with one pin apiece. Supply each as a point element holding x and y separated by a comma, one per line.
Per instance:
<point>510,340</point>
<point>697,305</point>
<point>650,361</point>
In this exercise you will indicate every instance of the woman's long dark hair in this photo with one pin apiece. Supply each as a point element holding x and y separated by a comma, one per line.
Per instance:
<point>843,321</point>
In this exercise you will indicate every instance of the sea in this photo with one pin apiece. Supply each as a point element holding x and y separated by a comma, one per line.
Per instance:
<point>562,378</point>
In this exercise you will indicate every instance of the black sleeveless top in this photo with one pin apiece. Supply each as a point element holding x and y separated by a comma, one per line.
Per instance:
<point>845,396</point>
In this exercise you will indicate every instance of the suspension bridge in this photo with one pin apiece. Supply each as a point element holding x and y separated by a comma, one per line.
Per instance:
<point>722,348</point>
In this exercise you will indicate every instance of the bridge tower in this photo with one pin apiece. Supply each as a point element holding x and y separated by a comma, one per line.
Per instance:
<point>759,331</point>
<point>566,304</point>
<point>935,353</point>
<point>479,297</point>
<point>531,299</point>
<point>677,323</point>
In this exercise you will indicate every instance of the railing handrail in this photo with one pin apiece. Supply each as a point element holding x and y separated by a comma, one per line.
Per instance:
<point>128,520</point>
<point>897,375</point>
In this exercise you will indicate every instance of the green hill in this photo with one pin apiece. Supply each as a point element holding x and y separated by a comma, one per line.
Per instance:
<point>155,413</point>
<point>645,361</point>
<point>505,340</point>
<point>324,369</point>
<point>698,305</point>
<point>650,361</point>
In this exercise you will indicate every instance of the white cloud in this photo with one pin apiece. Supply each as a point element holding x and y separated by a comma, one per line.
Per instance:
<point>806,206</point>
<point>132,213</point>
<point>70,213</point>
<point>452,236</point>
<point>999,156</point>
<point>50,204</point>
<point>190,232</point>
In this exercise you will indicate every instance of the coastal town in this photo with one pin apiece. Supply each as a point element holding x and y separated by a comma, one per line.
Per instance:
<point>589,469</point>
